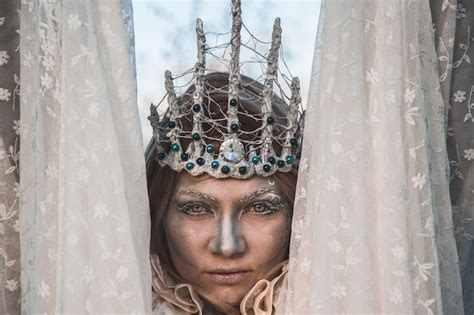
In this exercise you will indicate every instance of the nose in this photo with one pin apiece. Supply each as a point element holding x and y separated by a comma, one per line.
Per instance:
<point>228,240</point>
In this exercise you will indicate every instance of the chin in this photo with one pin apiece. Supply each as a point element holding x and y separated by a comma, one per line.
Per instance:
<point>231,295</point>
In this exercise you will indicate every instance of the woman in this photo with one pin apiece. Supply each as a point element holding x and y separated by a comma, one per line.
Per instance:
<point>220,244</point>
<point>221,184</point>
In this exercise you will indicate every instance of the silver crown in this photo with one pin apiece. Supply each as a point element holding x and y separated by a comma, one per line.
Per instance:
<point>233,159</point>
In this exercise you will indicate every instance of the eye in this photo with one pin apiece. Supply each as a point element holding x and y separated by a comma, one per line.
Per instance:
<point>193,208</point>
<point>264,207</point>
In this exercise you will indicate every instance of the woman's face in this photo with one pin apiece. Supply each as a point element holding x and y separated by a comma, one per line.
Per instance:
<point>226,234</point>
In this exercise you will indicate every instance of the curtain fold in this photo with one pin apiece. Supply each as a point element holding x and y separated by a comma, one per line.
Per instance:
<point>372,227</point>
<point>461,145</point>
<point>9,155</point>
<point>84,223</point>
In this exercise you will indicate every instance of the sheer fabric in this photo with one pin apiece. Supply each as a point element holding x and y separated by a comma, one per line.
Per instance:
<point>372,226</point>
<point>9,151</point>
<point>84,206</point>
<point>461,145</point>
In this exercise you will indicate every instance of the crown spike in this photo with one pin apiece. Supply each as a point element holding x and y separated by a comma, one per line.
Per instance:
<point>272,67</point>
<point>154,119</point>
<point>291,141</point>
<point>173,106</point>
<point>234,70</point>
<point>295,101</point>
<point>199,71</point>
<point>201,44</point>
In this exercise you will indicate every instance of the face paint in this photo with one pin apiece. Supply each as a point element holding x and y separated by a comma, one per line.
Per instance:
<point>227,242</point>
<point>226,235</point>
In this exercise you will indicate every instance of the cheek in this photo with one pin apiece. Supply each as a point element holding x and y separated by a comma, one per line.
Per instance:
<point>187,240</point>
<point>267,237</point>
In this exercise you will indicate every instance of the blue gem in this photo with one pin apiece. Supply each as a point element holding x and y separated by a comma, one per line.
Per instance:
<point>161,155</point>
<point>200,161</point>
<point>214,164</point>
<point>242,170</point>
<point>267,168</point>
<point>210,148</point>
<point>196,108</point>
<point>271,160</point>
<point>233,102</point>
<point>294,142</point>
<point>270,120</point>
<point>196,136</point>
<point>175,147</point>
<point>171,124</point>
<point>225,169</point>
<point>281,163</point>
<point>289,159</point>
<point>184,157</point>
<point>189,165</point>
<point>234,127</point>
<point>255,159</point>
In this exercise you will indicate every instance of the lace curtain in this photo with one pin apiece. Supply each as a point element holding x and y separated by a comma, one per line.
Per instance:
<point>373,229</point>
<point>9,151</point>
<point>84,221</point>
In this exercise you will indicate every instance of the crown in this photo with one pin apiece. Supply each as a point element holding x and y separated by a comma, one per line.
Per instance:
<point>271,152</point>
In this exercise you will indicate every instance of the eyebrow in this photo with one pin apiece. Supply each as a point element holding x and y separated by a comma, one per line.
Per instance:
<point>246,198</point>
<point>196,194</point>
<point>257,193</point>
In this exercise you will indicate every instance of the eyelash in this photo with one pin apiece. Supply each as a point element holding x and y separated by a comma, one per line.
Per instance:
<point>270,207</point>
<point>185,207</point>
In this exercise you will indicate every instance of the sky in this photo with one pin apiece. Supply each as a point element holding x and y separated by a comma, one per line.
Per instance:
<point>165,38</point>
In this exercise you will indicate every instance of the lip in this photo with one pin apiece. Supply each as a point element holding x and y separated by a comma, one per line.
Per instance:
<point>229,276</point>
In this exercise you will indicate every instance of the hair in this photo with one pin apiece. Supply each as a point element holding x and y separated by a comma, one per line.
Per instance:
<point>163,181</point>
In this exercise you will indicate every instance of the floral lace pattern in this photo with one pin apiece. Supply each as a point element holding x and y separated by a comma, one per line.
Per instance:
<point>9,155</point>
<point>372,226</point>
<point>85,219</point>
<point>461,145</point>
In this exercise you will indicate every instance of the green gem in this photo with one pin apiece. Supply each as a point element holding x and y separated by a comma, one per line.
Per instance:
<point>242,170</point>
<point>200,161</point>
<point>184,157</point>
<point>214,164</point>
<point>298,155</point>
<point>289,159</point>
<point>196,108</point>
<point>225,169</point>
<point>210,148</point>
<point>267,168</point>
<point>161,155</point>
<point>294,142</point>
<point>281,163</point>
<point>234,127</point>
<point>175,147</point>
<point>233,102</point>
<point>171,124</point>
<point>271,160</point>
<point>189,165</point>
<point>270,120</point>
<point>196,136</point>
<point>255,160</point>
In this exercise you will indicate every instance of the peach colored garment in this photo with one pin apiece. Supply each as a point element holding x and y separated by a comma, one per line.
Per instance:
<point>171,298</point>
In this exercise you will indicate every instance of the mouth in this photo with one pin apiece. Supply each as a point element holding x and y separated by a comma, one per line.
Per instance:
<point>229,276</point>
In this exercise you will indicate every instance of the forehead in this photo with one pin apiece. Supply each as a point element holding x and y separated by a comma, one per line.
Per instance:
<point>222,188</point>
